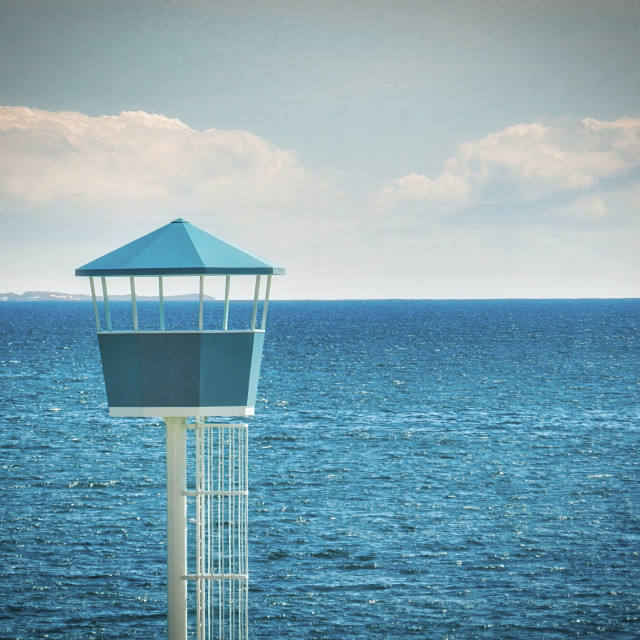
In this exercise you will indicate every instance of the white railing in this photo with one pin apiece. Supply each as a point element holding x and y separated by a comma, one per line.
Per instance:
<point>161,300</point>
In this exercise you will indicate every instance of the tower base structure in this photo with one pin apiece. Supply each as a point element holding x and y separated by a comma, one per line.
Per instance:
<point>207,525</point>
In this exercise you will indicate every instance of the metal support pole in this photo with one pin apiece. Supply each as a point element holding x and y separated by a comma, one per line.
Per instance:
<point>161,300</point>
<point>176,529</point>
<point>201,305</point>
<point>134,304</point>
<point>256,297</point>
<point>95,303</point>
<point>105,301</point>
<point>266,304</point>
<point>225,318</point>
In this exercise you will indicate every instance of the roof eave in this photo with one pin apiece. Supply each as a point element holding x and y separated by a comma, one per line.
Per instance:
<point>193,271</point>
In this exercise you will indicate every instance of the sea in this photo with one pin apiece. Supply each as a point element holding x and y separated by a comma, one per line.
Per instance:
<point>418,469</point>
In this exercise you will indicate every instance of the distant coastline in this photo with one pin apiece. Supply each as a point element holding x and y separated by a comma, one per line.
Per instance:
<point>54,296</point>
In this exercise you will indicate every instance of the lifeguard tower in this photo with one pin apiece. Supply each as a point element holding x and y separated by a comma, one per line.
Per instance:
<point>185,376</point>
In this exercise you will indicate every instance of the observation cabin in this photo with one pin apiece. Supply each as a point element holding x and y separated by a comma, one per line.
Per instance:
<point>162,372</point>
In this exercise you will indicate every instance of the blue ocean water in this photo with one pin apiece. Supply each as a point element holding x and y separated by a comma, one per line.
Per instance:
<point>419,469</point>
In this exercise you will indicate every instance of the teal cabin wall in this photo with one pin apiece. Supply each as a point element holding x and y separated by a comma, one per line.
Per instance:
<point>181,369</point>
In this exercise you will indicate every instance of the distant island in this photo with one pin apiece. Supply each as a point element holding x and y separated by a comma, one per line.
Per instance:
<point>53,296</point>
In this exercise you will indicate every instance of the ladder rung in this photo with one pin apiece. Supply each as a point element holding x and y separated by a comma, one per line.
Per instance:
<point>193,494</point>
<point>218,576</point>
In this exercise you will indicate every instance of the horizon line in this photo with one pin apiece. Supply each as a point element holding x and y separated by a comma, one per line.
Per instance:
<point>68,297</point>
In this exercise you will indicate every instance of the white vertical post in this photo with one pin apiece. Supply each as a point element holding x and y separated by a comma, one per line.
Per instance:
<point>266,303</point>
<point>220,537</point>
<point>134,305</point>
<point>200,528</point>
<point>245,532</point>
<point>95,303</point>
<point>176,529</point>
<point>227,288</point>
<point>256,297</point>
<point>161,299</point>
<point>201,307</point>
<point>105,300</point>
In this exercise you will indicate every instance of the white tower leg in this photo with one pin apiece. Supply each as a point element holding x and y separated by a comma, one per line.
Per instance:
<point>176,529</point>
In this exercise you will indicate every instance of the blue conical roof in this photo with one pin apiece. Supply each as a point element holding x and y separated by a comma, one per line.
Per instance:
<point>178,248</point>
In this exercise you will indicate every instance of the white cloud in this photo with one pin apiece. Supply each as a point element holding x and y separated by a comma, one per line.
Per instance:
<point>447,189</point>
<point>58,169</point>
<point>141,159</point>
<point>525,163</point>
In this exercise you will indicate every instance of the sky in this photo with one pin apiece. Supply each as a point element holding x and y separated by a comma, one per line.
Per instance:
<point>374,148</point>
